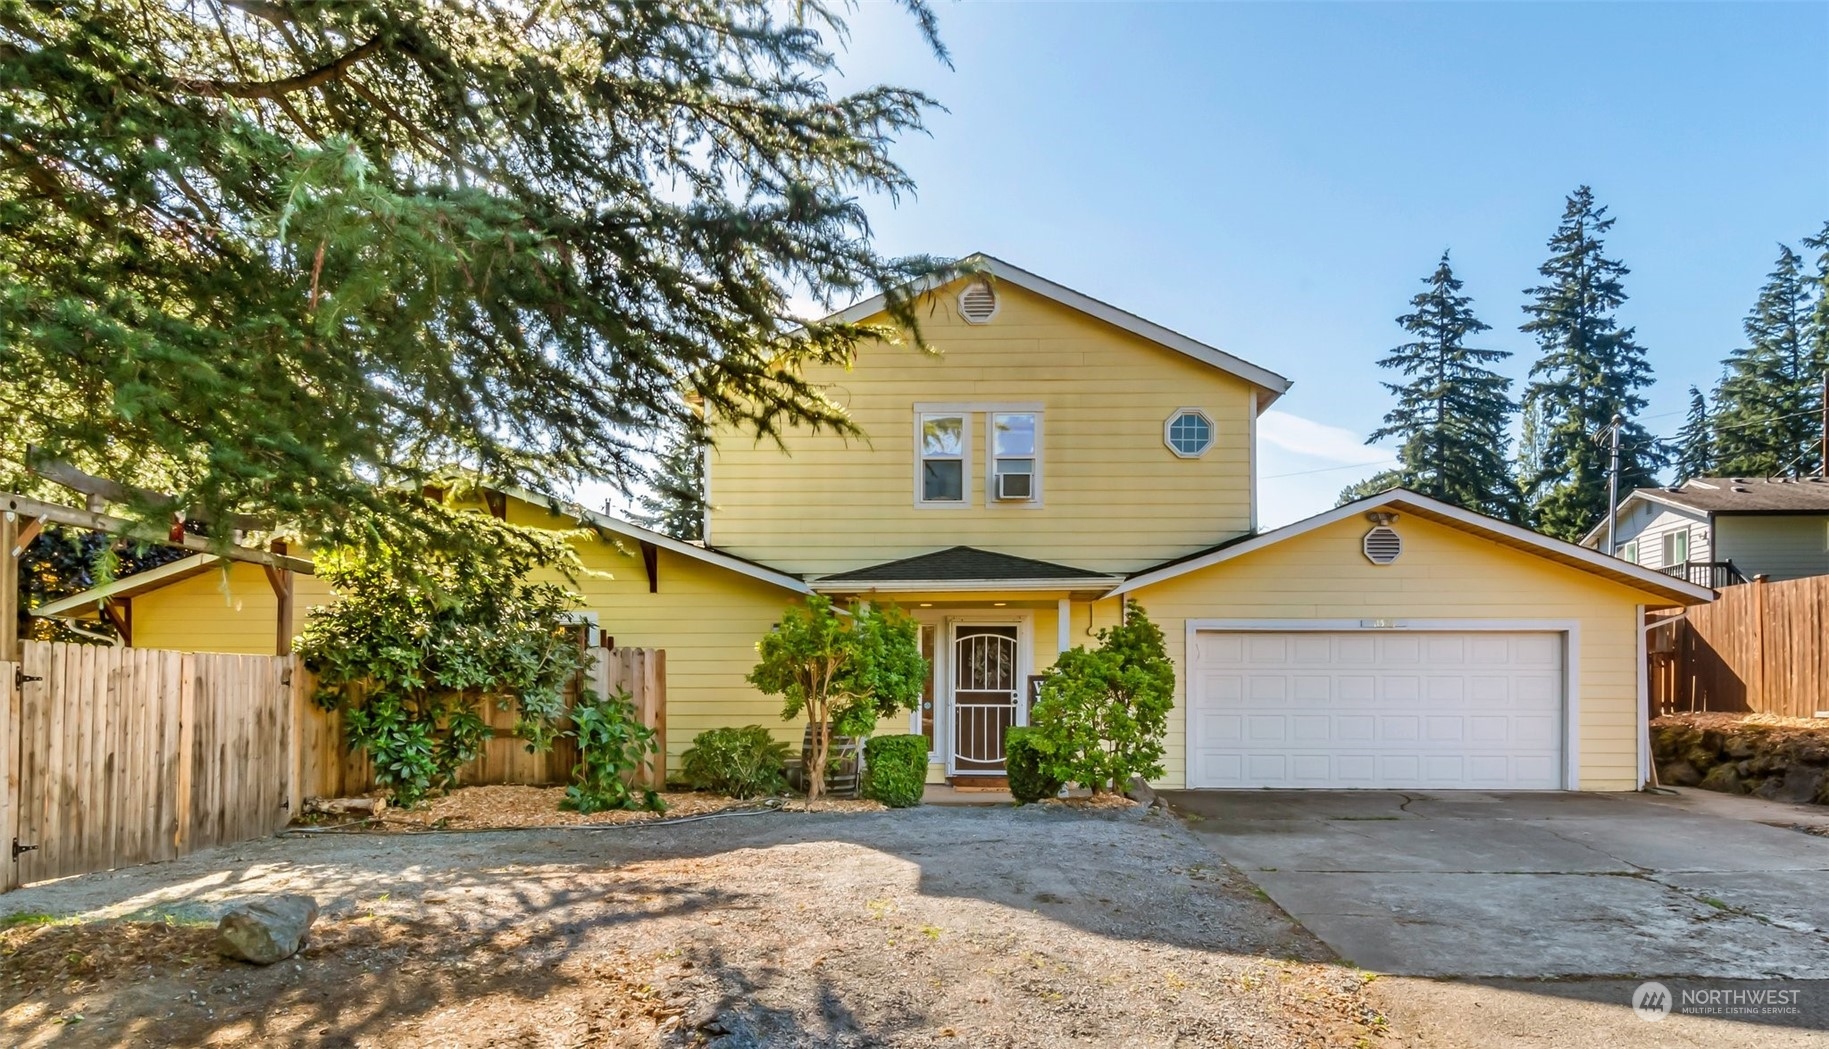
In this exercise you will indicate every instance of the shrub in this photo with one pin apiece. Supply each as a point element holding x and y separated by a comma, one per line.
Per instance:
<point>740,762</point>
<point>1103,712</point>
<point>613,745</point>
<point>841,672</point>
<point>895,769</point>
<point>1023,763</point>
<point>419,641</point>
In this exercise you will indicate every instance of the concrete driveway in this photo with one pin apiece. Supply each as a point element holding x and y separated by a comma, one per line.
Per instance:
<point>1468,884</point>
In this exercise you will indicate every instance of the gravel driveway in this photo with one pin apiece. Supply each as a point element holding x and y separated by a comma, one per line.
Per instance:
<point>927,927</point>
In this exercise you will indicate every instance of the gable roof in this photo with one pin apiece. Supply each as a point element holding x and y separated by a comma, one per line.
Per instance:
<point>709,555</point>
<point>1273,384</point>
<point>965,567</point>
<point>127,586</point>
<point>1732,495</point>
<point>1679,591</point>
<point>178,571</point>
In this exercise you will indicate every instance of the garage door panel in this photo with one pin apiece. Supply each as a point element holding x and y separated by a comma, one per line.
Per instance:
<point>1376,710</point>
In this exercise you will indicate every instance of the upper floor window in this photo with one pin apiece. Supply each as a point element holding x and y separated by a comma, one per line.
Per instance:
<point>1188,433</point>
<point>1015,440</point>
<point>1676,548</point>
<point>1629,552</point>
<point>945,445</point>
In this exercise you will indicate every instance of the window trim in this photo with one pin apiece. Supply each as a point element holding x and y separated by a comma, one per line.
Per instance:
<point>921,416</point>
<point>1669,547</point>
<point>990,459</point>
<point>1168,426</point>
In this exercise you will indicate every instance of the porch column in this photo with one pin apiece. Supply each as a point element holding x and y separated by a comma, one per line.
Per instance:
<point>1063,623</point>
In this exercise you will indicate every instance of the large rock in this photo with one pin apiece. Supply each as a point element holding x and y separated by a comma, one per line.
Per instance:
<point>1679,774</point>
<point>266,930</point>
<point>1724,778</point>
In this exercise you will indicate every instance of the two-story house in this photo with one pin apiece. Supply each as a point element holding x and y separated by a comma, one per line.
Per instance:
<point>1724,530</point>
<point>1054,457</point>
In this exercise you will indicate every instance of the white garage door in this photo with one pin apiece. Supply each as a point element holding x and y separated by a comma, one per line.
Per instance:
<point>1388,710</point>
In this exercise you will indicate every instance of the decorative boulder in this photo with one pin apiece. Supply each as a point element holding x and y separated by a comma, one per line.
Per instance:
<point>266,930</point>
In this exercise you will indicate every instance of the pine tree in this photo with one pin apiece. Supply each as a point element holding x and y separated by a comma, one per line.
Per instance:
<point>1382,481</point>
<point>262,254</point>
<point>674,503</point>
<point>1590,370</point>
<point>1693,451</point>
<point>1767,405</point>
<point>1452,411</point>
<point>1819,338</point>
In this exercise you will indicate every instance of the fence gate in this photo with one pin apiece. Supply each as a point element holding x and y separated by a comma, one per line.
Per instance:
<point>127,755</point>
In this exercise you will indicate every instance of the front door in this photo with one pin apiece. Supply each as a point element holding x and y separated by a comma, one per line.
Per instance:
<point>986,690</point>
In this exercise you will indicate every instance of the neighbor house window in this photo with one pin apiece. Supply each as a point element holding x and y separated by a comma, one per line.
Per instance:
<point>943,441</point>
<point>1629,552</point>
<point>1676,548</point>
<point>1015,456</point>
<point>1188,433</point>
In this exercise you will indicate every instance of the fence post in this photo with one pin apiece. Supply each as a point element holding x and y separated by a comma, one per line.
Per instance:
<point>1759,649</point>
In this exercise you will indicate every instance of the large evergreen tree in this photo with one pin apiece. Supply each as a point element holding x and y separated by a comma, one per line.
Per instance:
<point>263,254</point>
<point>1452,408</point>
<point>1767,405</point>
<point>1819,335</point>
<point>1693,451</point>
<point>1590,370</point>
<point>674,502</point>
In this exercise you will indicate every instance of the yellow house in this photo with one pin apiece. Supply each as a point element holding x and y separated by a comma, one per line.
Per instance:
<point>1054,457</point>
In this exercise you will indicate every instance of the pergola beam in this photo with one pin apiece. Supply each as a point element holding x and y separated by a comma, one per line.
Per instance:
<point>70,516</point>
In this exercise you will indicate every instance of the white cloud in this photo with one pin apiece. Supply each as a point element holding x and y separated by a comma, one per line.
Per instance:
<point>1305,437</point>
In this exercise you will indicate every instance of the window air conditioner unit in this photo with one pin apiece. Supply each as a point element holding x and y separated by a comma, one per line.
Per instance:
<point>1015,486</point>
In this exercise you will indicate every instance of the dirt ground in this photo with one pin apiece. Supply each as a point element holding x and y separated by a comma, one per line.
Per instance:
<point>1039,926</point>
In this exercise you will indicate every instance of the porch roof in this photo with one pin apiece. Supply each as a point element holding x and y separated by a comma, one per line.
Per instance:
<point>965,568</point>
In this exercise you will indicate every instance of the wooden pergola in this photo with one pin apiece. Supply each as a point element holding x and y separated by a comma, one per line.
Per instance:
<point>22,518</point>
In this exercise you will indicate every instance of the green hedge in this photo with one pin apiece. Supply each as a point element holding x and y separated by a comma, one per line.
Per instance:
<point>741,762</point>
<point>895,769</point>
<point>1023,764</point>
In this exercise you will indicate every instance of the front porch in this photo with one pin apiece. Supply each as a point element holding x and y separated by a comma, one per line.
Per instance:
<point>991,625</point>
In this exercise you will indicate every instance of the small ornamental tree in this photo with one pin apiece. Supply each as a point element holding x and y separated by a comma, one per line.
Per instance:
<point>840,671</point>
<point>1103,712</point>
<point>414,646</point>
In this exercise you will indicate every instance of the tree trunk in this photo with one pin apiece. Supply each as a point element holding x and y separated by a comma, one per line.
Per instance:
<point>816,767</point>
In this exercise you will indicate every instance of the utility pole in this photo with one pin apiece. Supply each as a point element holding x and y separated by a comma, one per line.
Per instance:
<point>1613,483</point>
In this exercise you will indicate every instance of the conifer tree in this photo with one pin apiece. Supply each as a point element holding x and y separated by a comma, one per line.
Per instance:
<point>263,255</point>
<point>1819,333</point>
<point>674,503</point>
<point>1693,451</point>
<point>1382,481</point>
<point>1767,405</point>
<point>1452,409</point>
<point>1589,370</point>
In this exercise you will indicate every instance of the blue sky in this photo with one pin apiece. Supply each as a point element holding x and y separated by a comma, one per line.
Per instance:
<point>1275,179</point>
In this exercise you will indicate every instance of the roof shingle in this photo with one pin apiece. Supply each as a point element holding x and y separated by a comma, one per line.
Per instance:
<point>1772,495</point>
<point>965,563</point>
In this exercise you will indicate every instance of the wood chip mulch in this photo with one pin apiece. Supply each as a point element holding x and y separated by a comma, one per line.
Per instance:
<point>1092,801</point>
<point>1728,722</point>
<point>493,807</point>
<point>65,955</point>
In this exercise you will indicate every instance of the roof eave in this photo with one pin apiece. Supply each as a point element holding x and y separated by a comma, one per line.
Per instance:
<point>1269,382</point>
<point>942,586</point>
<point>1680,591</point>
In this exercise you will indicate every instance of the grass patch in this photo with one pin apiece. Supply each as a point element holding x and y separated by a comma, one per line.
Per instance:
<point>20,919</point>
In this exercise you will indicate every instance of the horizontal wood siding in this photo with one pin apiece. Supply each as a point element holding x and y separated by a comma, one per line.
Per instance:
<point>1114,497</point>
<point>1442,574</point>
<point>1652,522</point>
<point>222,610</point>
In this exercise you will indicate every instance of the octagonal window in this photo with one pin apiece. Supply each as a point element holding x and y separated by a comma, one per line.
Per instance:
<point>1189,433</point>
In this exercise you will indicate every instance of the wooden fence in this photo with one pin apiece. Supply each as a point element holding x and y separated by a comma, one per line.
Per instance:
<point>1758,648</point>
<point>114,756</point>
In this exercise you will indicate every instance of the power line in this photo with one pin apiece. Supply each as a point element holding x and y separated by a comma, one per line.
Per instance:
<point>1329,469</point>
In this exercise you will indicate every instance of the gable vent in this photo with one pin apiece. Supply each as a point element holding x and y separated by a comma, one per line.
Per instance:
<point>978,303</point>
<point>1382,545</point>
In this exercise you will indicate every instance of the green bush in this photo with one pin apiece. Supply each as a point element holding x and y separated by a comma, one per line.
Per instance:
<point>895,769</point>
<point>740,762</point>
<point>1103,712</point>
<point>1023,763</point>
<point>613,745</point>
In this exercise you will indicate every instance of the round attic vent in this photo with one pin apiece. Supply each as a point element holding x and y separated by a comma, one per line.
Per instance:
<point>1382,545</point>
<point>978,303</point>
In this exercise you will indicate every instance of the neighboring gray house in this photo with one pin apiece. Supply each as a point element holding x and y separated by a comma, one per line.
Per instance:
<point>1717,531</point>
